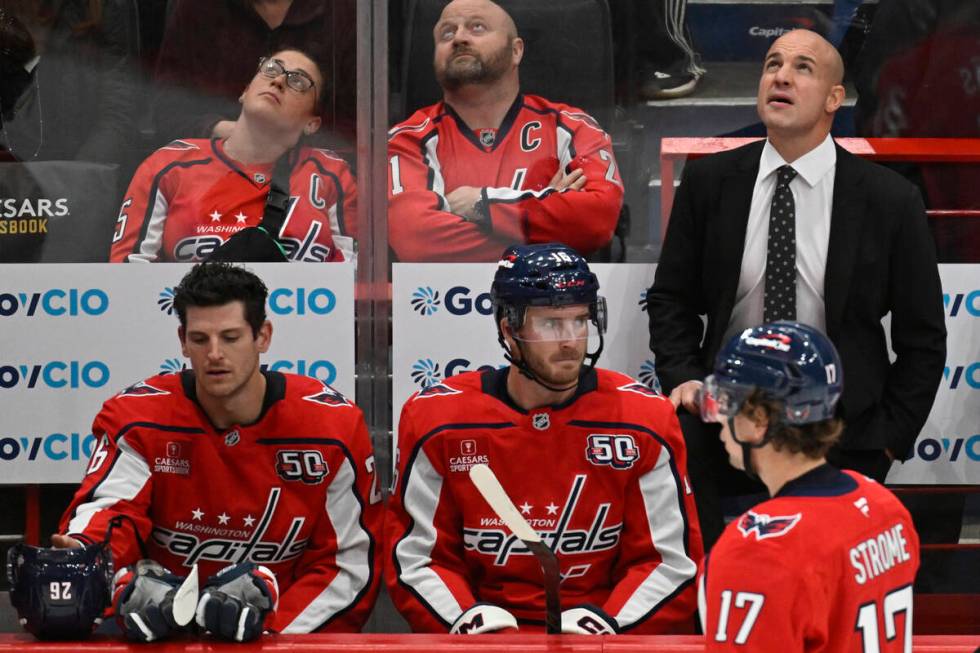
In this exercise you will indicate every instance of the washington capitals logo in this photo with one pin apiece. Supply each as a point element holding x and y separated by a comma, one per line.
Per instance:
<point>425,300</point>
<point>436,390</point>
<point>767,525</point>
<point>425,372</point>
<point>777,341</point>
<point>328,397</point>
<point>648,375</point>
<point>172,366</point>
<point>166,301</point>
<point>142,389</point>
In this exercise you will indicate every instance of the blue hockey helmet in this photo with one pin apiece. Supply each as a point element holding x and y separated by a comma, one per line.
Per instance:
<point>788,361</point>
<point>60,593</point>
<point>548,274</point>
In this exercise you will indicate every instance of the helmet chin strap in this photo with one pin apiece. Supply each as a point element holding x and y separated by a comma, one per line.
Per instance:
<point>526,370</point>
<point>747,448</point>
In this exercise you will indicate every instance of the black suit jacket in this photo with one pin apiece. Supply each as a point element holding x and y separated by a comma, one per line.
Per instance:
<point>880,259</point>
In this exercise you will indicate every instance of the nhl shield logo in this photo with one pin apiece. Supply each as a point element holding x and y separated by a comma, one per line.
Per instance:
<point>232,438</point>
<point>487,137</point>
<point>259,178</point>
<point>541,421</point>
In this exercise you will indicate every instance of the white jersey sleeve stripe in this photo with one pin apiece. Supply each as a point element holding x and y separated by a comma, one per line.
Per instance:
<point>437,184</point>
<point>149,247</point>
<point>413,554</point>
<point>128,476</point>
<point>662,497</point>
<point>353,558</point>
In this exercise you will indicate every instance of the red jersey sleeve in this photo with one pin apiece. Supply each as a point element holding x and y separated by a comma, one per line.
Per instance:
<point>117,483</point>
<point>340,204</point>
<point>425,570</point>
<point>582,219</point>
<point>337,579</point>
<point>661,542</point>
<point>420,225</point>
<point>139,228</point>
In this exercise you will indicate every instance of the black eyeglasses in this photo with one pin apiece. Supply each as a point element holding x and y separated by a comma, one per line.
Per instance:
<point>297,80</point>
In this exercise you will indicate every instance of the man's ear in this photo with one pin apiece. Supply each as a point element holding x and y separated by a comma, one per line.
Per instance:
<point>517,50</point>
<point>835,99</point>
<point>182,336</point>
<point>264,337</point>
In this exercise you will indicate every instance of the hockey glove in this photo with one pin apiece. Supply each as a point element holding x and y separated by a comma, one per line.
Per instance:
<point>143,597</point>
<point>587,620</point>
<point>483,618</point>
<point>236,602</point>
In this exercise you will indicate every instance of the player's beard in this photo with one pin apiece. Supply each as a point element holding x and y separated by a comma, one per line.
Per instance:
<point>474,70</point>
<point>553,368</point>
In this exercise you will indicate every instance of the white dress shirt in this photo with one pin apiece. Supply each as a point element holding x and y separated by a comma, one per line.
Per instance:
<point>813,193</point>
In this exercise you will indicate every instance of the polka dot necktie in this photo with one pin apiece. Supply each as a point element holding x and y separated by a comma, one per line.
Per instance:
<point>780,290</point>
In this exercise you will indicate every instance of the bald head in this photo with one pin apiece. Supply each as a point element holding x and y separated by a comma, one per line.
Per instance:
<point>826,53</point>
<point>491,11</point>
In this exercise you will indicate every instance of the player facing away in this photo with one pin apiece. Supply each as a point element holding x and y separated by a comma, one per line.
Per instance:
<point>262,479</point>
<point>826,564</point>
<point>593,460</point>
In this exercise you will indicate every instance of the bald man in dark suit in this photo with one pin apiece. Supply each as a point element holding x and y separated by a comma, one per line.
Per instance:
<point>862,250</point>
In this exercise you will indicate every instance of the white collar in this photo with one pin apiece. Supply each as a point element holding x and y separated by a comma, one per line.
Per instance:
<point>812,166</point>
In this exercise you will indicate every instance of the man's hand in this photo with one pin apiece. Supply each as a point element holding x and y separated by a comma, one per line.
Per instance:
<point>686,395</point>
<point>462,200</point>
<point>236,601</point>
<point>575,180</point>
<point>59,541</point>
<point>143,596</point>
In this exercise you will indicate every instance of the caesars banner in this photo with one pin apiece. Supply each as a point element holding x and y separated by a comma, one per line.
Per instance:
<point>74,335</point>
<point>443,325</point>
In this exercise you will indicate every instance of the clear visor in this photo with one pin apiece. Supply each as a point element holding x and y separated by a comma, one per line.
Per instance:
<point>543,328</point>
<point>719,402</point>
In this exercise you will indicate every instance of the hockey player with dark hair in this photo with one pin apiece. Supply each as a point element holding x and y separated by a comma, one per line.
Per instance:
<point>263,480</point>
<point>593,459</point>
<point>827,564</point>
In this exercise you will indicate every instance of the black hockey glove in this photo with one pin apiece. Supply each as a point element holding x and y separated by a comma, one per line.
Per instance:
<point>143,596</point>
<point>236,602</point>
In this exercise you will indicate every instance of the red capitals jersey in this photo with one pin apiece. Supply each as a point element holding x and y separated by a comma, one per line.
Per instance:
<point>189,197</point>
<point>602,478</point>
<point>434,152</point>
<point>826,565</point>
<point>294,491</point>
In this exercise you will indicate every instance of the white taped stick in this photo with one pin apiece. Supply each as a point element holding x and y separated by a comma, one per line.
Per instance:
<point>488,485</point>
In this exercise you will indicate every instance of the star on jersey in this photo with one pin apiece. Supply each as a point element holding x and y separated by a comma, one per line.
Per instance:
<point>215,216</point>
<point>249,520</point>
<point>241,217</point>
<point>526,508</point>
<point>223,518</point>
<point>552,508</point>
<point>198,514</point>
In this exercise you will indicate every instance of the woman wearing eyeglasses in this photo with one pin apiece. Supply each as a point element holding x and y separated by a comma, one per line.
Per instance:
<point>191,196</point>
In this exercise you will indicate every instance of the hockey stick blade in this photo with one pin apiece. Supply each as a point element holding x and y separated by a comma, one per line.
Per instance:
<point>494,494</point>
<point>185,599</point>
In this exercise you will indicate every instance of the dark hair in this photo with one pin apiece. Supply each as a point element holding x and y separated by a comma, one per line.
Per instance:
<point>214,283</point>
<point>321,87</point>
<point>813,440</point>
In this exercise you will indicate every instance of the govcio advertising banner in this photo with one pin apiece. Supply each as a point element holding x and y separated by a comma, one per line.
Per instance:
<point>74,335</point>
